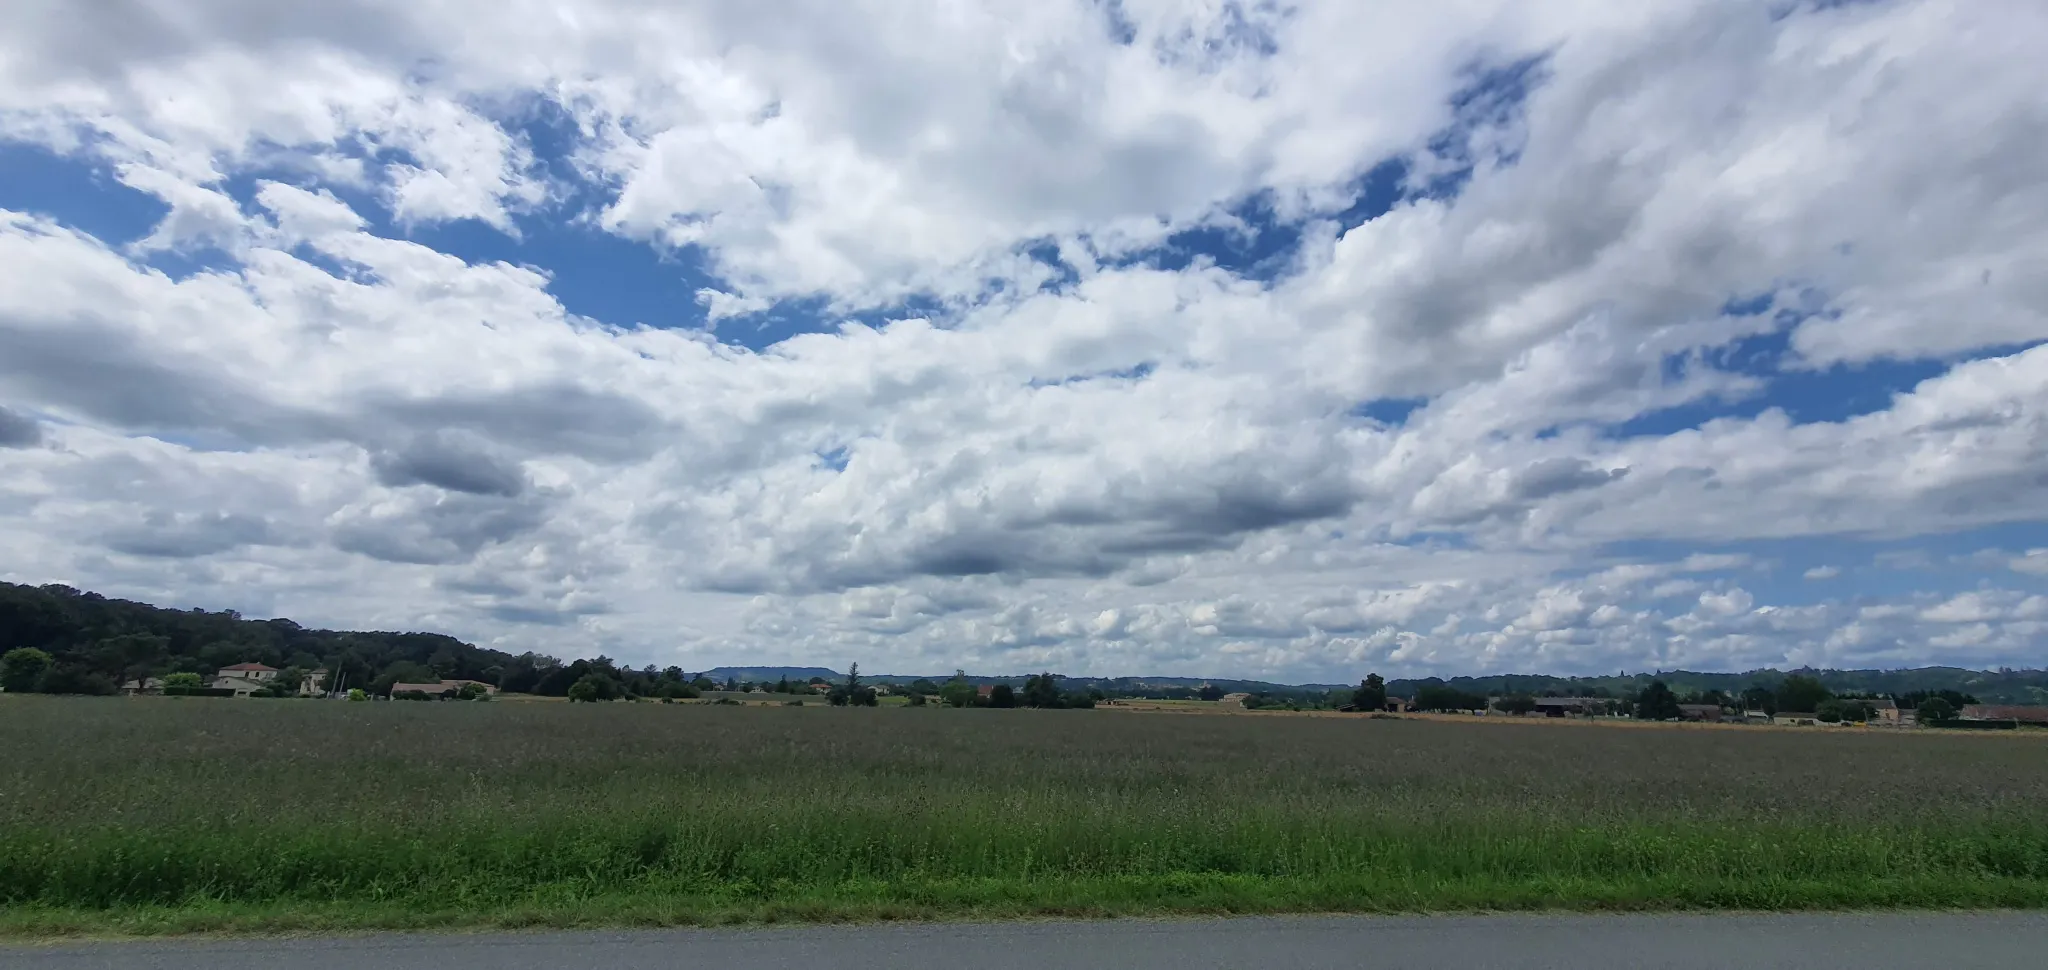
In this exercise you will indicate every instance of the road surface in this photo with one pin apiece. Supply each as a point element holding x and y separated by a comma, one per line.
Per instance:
<point>1520,942</point>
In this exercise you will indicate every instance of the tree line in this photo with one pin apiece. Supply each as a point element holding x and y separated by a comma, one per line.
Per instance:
<point>56,639</point>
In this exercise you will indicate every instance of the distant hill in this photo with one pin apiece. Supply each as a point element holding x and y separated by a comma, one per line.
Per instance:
<point>97,642</point>
<point>769,674</point>
<point>1991,687</point>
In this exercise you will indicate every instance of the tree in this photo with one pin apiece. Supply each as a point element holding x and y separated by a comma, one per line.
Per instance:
<point>1041,690</point>
<point>358,694</point>
<point>1441,697</point>
<point>1518,704</point>
<point>1800,693</point>
<point>923,686</point>
<point>588,689</point>
<point>917,699</point>
<point>1002,695</point>
<point>1957,700</point>
<point>1657,703</point>
<point>1760,699</point>
<point>131,656</point>
<point>1936,710</point>
<point>1209,692</point>
<point>853,692</point>
<point>22,669</point>
<point>75,678</point>
<point>958,692</point>
<point>183,680</point>
<point>1371,694</point>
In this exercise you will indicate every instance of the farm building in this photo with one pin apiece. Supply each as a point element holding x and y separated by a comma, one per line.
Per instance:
<point>2020,713</point>
<point>1562,706</point>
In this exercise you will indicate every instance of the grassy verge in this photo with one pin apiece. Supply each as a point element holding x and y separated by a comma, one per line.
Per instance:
<point>140,817</point>
<point>1189,894</point>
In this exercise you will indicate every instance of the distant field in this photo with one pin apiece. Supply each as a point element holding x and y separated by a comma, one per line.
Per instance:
<point>172,814</point>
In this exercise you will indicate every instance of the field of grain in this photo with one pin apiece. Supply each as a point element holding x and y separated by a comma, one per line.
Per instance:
<point>149,814</point>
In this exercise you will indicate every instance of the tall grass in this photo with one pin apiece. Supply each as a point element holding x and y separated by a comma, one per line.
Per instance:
<point>131,805</point>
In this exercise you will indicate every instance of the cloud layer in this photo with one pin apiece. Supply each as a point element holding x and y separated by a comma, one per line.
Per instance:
<point>1250,338</point>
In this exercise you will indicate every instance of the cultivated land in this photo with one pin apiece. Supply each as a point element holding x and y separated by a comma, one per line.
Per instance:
<point>186,814</point>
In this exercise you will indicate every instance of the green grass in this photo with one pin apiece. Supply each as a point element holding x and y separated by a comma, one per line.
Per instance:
<point>182,815</point>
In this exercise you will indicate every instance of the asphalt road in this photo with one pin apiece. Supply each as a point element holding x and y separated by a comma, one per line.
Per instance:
<point>1684,942</point>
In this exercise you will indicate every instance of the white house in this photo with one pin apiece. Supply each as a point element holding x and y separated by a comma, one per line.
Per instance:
<point>244,679</point>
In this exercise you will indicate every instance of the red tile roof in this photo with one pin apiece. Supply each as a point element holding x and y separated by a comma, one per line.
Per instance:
<point>249,667</point>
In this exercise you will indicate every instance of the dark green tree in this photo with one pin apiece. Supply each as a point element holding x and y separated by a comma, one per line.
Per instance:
<point>75,678</point>
<point>131,656</point>
<point>1371,694</point>
<point>1657,703</point>
<point>923,686</point>
<point>1210,692</point>
<point>1936,710</point>
<point>852,693</point>
<point>1002,695</point>
<point>22,669</point>
<point>1042,690</point>
<point>1801,694</point>
<point>1518,704</point>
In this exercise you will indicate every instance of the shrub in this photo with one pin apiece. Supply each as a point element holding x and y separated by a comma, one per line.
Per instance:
<point>22,669</point>
<point>587,689</point>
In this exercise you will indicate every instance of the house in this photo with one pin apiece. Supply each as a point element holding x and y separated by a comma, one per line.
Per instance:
<point>149,685</point>
<point>1756,717</point>
<point>1799,719</point>
<point>310,686</point>
<point>2017,713</point>
<point>249,671</point>
<point>1233,700</point>
<point>1699,712</point>
<point>1563,706</point>
<point>1884,711</point>
<point>244,678</point>
<point>242,686</point>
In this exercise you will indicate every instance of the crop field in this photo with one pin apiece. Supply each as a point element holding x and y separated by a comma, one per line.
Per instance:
<point>180,814</point>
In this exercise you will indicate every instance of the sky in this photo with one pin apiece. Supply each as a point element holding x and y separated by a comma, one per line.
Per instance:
<point>1285,340</point>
